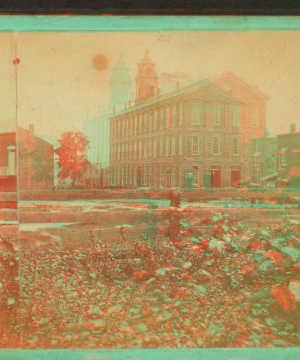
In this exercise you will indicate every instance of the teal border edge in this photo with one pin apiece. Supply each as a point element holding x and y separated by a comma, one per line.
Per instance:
<point>157,354</point>
<point>34,23</point>
<point>104,23</point>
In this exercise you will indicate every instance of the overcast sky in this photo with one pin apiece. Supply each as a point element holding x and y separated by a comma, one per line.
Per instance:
<point>59,78</point>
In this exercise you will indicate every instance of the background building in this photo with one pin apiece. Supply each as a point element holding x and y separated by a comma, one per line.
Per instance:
<point>275,161</point>
<point>96,127</point>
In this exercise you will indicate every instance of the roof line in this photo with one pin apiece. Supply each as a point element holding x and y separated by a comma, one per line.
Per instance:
<point>177,92</point>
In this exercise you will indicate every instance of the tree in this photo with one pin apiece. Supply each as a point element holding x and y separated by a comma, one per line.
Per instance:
<point>72,157</point>
<point>42,165</point>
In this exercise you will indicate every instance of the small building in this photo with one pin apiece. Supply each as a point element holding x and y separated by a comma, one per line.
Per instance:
<point>35,161</point>
<point>275,161</point>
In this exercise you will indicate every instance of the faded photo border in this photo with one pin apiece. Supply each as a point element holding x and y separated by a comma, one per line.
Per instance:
<point>143,24</point>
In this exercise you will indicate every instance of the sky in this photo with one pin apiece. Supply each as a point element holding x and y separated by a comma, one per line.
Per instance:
<point>61,76</point>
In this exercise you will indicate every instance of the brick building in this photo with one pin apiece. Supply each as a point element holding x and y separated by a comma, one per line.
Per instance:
<point>35,161</point>
<point>8,171</point>
<point>275,161</point>
<point>187,137</point>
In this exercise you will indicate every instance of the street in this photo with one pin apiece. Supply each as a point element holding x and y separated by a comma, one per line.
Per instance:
<point>71,223</point>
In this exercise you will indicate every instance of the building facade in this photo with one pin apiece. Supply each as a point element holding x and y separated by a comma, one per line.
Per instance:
<point>252,113</point>
<point>275,161</point>
<point>96,127</point>
<point>186,138</point>
<point>33,169</point>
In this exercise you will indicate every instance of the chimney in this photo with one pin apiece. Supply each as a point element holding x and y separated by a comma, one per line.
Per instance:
<point>125,105</point>
<point>292,128</point>
<point>266,132</point>
<point>31,129</point>
<point>129,103</point>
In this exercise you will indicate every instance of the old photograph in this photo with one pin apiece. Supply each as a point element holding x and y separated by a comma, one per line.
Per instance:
<point>150,189</point>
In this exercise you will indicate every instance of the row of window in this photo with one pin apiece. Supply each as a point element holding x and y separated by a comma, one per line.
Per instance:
<point>169,116</point>
<point>97,154</point>
<point>282,159</point>
<point>151,176</point>
<point>169,146</point>
<point>97,131</point>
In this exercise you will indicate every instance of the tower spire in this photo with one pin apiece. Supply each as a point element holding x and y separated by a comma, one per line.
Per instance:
<point>146,79</point>
<point>120,84</point>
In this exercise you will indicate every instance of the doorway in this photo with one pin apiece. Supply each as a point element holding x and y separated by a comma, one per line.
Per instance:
<point>216,177</point>
<point>235,177</point>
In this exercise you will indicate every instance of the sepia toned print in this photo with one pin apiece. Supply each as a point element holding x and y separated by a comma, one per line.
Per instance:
<point>150,191</point>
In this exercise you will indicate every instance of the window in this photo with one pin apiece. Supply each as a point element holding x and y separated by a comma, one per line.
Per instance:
<point>236,117</point>
<point>119,151</point>
<point>154,118</point>
<point>150,119</point>
<point>145,121</point>
<point>195,175</point>
<point>141,122</point>
<point>150,149</point>
<point>170,116</point>
<point>188,111</point>
<point>227,150</point>
<point>216,145</point>
<point>180,110</point>
<point>175,114</point>
<point>134,123</point>
<point>167,120</point>
<point>180,145</point>
<point>154,147</point>
<point>216,115</point>
<point>124,147</point>
<point>119,128</point>
<point>196,114</point>
<point>174,145</point>
<point>131,125</point>
<point>135,151</point>
<point>168,146</point>
<point>195,145</point>
<point>141,151</point>
<point>189,146</point>
<point>159,120</point>
<point>161,149</point>
<point>130,156</point>
<point>201,115</point>
<point>235,145</point>
<point>283,158</point>
<point>126,153</point>
<point>145,150</point>
<point>150,177</point>
<point>228,117</point>
<point>126,126</point>
<point>145,176</point>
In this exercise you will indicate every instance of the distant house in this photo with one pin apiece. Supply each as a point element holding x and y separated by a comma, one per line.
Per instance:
<point>8,171</point>
<point>35,161</point>
<point>275,161</point>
